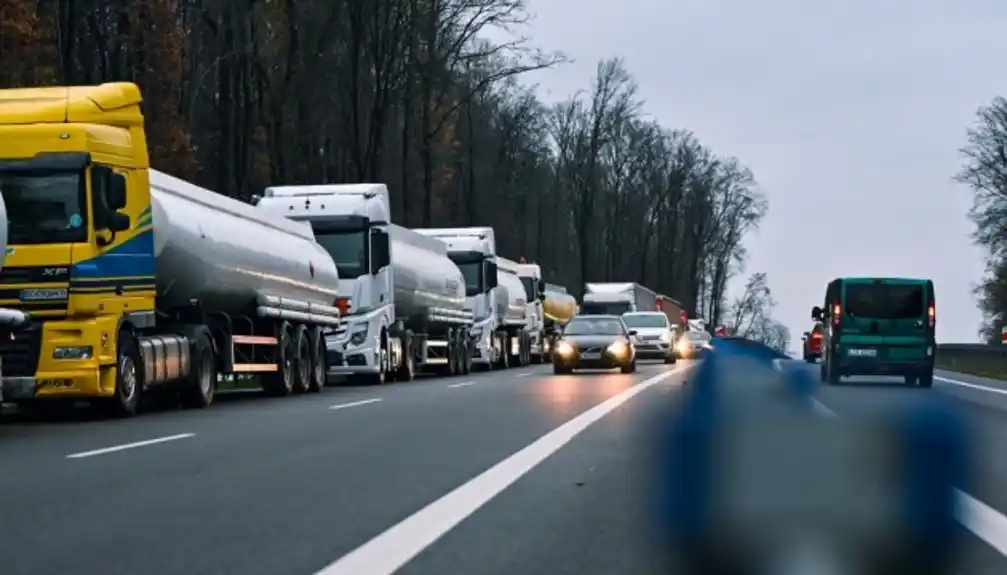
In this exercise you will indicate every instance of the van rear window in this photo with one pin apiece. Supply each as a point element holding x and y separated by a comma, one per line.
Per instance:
<point>885,301</point>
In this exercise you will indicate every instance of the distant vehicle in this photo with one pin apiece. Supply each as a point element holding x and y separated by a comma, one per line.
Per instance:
<point>813,344</point>
<point>595,342</point>
<point>617,298</point>
<point>655,335</point>
<point>878,326</point>
<point>692,344</point>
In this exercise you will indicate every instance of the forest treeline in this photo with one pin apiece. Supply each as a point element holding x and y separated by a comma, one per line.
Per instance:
<point>985,173</point>
<point>241,94</point>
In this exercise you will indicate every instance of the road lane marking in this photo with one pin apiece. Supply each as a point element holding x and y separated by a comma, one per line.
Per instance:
<point>462,384</point>
<point>392,549</point>
<point>982,520</point>
<point>133,445</point>
<point>354,403</point>
<point>970,385</point>
<point>525,374</point>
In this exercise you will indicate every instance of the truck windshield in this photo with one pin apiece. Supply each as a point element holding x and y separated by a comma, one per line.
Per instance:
<point>473,272</point>
<point>45,207</point>
<point>886,301</point>
<point>529,289</point>
<point>605,308</point>
<point>348,249</point>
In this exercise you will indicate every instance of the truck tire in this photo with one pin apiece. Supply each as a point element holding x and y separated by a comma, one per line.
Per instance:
<point>198,389</point>
<point>281,382</point>
<point>466,353</point>
<point>407,371</point>
<point>319,363</point>
<point>302,360</point>
<point>128,377</point>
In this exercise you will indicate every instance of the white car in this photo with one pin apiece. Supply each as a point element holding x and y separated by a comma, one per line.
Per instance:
<point>691,344</point>
<point>655,336</point>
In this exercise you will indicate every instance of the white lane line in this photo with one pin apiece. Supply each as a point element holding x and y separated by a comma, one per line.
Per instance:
<point>133,445</point>
<point>970,385</point>
<point>525,374</point>
<point>354,403</point>
<point>982,520</point>
<point>462,384</point>
<point>392,549</point>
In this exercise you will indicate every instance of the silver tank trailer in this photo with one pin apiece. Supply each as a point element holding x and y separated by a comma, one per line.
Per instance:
<point>511,298</point>
<point>231,256</point>
<point>8,316</point>
<point>428,285</point>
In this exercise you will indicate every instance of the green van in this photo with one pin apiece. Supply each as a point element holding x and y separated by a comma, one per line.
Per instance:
<point>878,326</point>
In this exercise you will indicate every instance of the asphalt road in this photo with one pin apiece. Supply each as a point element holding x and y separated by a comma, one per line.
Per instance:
<point>498,473</point>
<point>292,486</point>
<point>983,401</point>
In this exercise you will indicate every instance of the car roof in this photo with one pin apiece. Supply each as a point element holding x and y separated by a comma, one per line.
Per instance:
<point>661,313</point>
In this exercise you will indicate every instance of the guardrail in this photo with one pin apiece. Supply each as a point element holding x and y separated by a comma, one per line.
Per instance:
<point>975,358</point>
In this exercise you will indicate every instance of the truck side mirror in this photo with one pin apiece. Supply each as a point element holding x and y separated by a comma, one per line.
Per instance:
<point>380,250</point>
<point>541,296</point>
<point>116,192</point>
<point>816,312</point>
<point>118,222</point>
<point>492,280</point>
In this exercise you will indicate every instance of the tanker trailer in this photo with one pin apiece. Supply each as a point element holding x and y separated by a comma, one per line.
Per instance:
<point>404,298</point>
<point>516,320</point>
<point>558,308</point>
<point>473,250</point>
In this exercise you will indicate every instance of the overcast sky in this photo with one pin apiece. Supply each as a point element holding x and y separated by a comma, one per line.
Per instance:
<point>849,113</point>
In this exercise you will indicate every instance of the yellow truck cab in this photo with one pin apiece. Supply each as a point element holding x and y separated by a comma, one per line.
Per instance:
<point>78,245</point>
<point>115,308</point>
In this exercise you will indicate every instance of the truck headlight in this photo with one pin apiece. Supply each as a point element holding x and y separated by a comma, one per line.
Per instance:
<point>75,352</point>
<point>358,336</point>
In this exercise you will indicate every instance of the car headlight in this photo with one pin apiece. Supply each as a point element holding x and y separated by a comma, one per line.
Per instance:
<point>683,346</point>
<point>666,337</point>
<point>564,349</point>
<point>619,349</point>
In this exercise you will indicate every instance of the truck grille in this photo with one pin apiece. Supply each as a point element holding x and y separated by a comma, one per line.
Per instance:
<point>20,348</point>
<point>23,276</point>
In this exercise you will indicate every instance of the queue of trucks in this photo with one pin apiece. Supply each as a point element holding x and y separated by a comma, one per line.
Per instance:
<point>121,283</point>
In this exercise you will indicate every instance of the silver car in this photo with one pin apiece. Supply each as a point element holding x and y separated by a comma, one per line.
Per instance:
<point>655,336</point>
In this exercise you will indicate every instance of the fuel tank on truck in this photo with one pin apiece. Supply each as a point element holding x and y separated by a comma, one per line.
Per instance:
<point>515,309</point>
<point>559,306</point>
<point>428,285</point>
<point>226,254</point>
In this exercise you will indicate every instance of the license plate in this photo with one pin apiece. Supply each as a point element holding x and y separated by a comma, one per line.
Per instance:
<point>863,352</point>
<point>43,294</point>
<point>592,355</point>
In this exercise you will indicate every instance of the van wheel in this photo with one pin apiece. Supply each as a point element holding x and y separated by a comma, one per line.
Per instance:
<point>200,387</point>
<point>926,380</point>
<point>128,377</point>
<point>831,375</point>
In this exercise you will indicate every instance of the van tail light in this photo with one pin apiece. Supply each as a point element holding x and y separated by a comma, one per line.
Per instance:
<point>837,312</point>
<point>931,316</point>
<point>343,304</point>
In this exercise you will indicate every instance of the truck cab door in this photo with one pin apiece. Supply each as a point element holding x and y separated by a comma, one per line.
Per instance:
<point>382,280</point>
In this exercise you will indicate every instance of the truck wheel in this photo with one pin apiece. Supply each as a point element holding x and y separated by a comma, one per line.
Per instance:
<point>281,382</point>
<point>466,354</point>
<point>302,360</point>
<point>128,377</point>
<point>407,371</point>
<point>199,388</point>
<point>319,366</point>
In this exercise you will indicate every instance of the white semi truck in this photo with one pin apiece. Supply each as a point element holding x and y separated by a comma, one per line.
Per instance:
<point>550,308</point>
<point>494,294</point>
<point>404,297</point>
<point>617,298</point>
